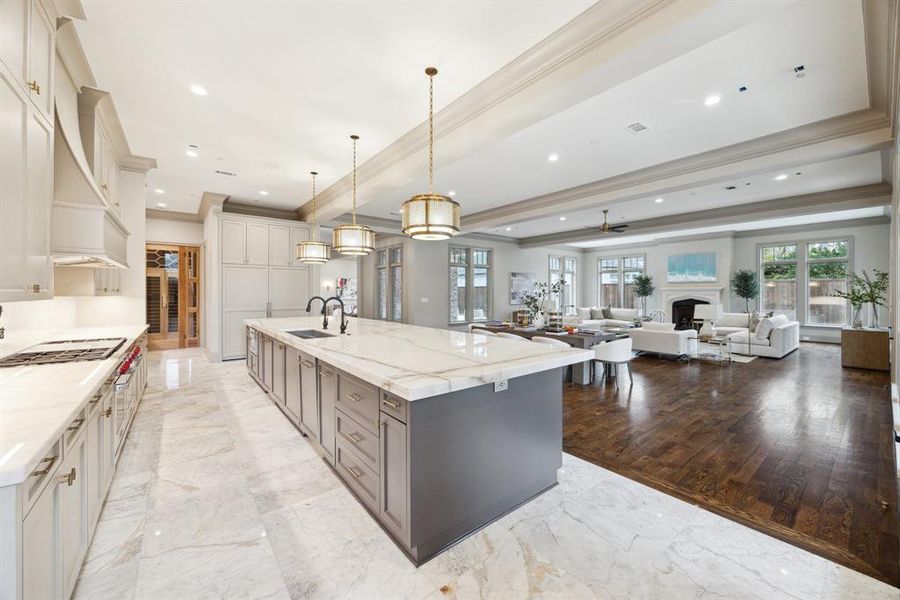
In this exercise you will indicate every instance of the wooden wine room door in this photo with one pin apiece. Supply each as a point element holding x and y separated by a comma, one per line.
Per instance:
<point>173,296</point>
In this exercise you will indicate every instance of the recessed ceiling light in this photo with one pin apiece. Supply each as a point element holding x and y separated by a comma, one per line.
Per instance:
<point>553,157</point>
<point>712,100</point>
<point>161,205</point>
<point>451,193</point>
<point>159,191</point>
<point>263,193</point>
<point>659,200</point>
<point>509,228</point>
<point>191,152</point>
<point>781,177</point>
<point>198,89</point>
<point>562,218</point>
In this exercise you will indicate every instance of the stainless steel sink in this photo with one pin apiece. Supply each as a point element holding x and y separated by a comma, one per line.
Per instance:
<point>308,334</point>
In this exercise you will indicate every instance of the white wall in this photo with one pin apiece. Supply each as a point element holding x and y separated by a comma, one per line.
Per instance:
<point>212,303</point>
<point>184,233</point>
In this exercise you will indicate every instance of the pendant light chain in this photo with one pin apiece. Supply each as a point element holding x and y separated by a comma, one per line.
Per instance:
<point>430,133</point>
<point>315,205</point>
<point>354,138</point>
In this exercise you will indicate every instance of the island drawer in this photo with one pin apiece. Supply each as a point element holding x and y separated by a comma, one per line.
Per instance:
<point>361,479</point>
<point>394,406</point>
<point>359,400</point>
<point>363,442</point>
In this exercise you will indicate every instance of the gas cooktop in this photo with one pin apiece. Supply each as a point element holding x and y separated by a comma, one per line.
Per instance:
<point>64,351</point>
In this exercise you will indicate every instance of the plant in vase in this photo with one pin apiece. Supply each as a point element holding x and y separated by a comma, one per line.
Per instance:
<point>643,288</point>
<point>863,290</point>
<point>536,300</point>
<point>745,284</point>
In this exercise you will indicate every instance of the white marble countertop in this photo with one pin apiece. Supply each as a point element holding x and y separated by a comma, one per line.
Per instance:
<point>418,362</point>
<point>38,402</point>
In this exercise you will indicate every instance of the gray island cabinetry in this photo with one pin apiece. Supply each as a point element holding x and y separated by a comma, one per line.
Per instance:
<point>432,453</point>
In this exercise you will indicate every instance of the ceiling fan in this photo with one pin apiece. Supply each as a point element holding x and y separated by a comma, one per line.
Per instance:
<point>607,228</point>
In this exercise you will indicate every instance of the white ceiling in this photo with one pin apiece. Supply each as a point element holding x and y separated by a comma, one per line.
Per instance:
<point>861,169</point>
<point>288,82</point>
<point>592,142</point>
<point>841,216</point>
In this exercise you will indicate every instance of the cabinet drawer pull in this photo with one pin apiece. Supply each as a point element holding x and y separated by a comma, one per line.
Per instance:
<point>50,462</point>
<point>354,397</point>
<point>354,438</point>
<point>307,364</point>
<point>68,478</point>
<point>391,403</point>
<point>352,470</point>
<point>34,87</point>
<point>107,412</point>
<point>76,424</point>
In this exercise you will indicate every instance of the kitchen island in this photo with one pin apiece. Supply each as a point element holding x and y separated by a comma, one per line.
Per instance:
<point>436,432</point>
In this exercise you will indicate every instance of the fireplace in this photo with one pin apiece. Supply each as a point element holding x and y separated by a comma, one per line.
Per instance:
<point>683,312</point>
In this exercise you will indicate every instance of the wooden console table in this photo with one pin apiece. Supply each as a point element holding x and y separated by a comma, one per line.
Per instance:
<point>866,349</point>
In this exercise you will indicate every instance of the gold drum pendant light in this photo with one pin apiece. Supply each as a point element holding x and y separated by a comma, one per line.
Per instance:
<point>430,216</point>
<point>312,251</point>
<point>353,239</point>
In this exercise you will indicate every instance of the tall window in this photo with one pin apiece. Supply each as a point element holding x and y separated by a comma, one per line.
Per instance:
<point>827,264</point>
<point>389,283</point>
<point>470,284</point>
<point>779,276</point>
<point>615,278</point>
<point>800,279</point>
<point>564,267</point>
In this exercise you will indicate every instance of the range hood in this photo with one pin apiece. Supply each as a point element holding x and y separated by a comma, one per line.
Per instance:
<point>85,230</point>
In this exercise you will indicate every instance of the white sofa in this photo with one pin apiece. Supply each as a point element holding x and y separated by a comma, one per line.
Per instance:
<point>662,338</point>
<point>730,323</point>
<point>588,317</point>
<point>782,339</point>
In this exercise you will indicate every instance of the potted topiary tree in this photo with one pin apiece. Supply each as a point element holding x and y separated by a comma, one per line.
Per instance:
<point>643,288</point>
<point>745,284</point>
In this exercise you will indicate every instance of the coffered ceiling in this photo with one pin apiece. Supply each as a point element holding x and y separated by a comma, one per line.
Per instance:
<point>726,94</point>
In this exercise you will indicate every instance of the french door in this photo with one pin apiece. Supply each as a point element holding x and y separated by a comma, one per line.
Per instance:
<point>173,296</point>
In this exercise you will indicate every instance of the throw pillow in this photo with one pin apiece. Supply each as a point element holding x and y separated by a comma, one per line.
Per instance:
<point>607,312</point>
<point>583,314</point>
<point>753,323</point>
<point>780,320</point>
<point>764,329</point>
<point>596,313</point>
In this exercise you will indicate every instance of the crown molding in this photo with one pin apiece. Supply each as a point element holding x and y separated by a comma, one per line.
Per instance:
<point>254,210</point>
<point>812,227</point>
<point>845,135</point>
<point>211,201</point>
<point>165,215</point>
<point>881,23</point>
<point>599,49</point>
<point>68,8</point>
<point>72,55</point>
<point>865,196</point>
<point>137,164</point>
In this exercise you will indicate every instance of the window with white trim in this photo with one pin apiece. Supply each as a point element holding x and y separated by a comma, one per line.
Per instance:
<point>471,286</point>
<point>564,267</point>
<point>389,283</point>
<point>615,280</point>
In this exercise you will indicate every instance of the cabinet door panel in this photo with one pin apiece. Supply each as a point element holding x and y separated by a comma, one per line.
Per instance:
<point>267,349</point>
<point>328,390</point>
<point>38,265</point>
<point>234,242</point>
<point>13,123</point>
<point>292,383</point>
<point>94,467</point>
<point>41,46</point>
<point>394,485</point>
<point>108,450</point>
<point>309,396</point>
<point>72,516</point>
<point>39,559</point>
<point>257,244</point>
<point>279,246</point>
<point>288,290</point>
<point>234,344</point>
<point>13,37</point>
<point>278,382</point>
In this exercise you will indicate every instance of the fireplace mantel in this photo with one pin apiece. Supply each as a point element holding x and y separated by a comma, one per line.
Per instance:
<point>712,294</point>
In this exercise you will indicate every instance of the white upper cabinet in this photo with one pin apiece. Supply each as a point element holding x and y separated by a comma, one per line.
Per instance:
<point>257,243</point>
<point>234,242</point>
<point>41,62</point>
<point>280,246</point>
<point>14,39</point>
<point>26,151</point>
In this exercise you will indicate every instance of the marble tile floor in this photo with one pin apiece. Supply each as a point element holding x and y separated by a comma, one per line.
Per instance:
<point>217,496</point>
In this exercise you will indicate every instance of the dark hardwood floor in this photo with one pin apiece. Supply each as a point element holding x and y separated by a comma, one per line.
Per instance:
<point>798,448</point>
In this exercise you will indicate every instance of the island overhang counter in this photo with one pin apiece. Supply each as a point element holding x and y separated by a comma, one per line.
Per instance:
<point>436,432</point>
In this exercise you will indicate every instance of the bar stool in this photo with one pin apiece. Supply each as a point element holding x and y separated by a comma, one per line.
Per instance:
<point>510,336</point>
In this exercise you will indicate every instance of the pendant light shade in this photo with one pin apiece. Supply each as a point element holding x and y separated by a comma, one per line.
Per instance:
<point>353,239</point>
<point>430,216</point>
<point>312,251</point>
